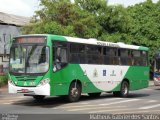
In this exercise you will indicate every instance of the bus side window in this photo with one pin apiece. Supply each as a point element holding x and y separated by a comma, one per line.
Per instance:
<point>136,57</point>
<point>93,54</point>
<point>110,56</point>
<point>113,56</point>
<point>124,57</point>
<point>60,58</point>
<point>130,57</point>
<point>61,55</point>
<point>106,55</point>
<point>144,61</point>
<point>77,53</point>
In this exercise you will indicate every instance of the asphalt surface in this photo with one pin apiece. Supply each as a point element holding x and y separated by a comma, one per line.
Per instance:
<point>141,102</point>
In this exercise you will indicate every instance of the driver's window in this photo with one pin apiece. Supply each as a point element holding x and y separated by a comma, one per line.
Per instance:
<point>60,58</point>
<point>63,55</point>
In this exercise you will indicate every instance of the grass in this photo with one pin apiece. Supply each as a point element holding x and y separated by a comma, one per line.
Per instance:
<point>3,80</point>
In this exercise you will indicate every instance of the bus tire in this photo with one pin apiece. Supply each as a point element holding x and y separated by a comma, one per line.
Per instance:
<point>39,97</point>
<point>94,94</point>
<point>74,92</point>
<point>124,91</point>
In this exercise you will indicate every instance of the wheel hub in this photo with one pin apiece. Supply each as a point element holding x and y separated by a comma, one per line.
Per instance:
<point>74,92</point>
<point>125,90</point>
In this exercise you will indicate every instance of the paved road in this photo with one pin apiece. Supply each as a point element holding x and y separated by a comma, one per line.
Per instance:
<point>141,101</point>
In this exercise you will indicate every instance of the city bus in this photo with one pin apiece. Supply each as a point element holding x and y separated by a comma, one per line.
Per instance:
<point>53,65</point>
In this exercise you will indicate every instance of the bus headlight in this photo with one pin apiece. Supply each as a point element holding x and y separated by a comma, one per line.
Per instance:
<point>11,82</point>
<point>43,82</point>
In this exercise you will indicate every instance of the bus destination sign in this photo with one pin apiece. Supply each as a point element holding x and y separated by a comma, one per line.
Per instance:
<point>30,40</point>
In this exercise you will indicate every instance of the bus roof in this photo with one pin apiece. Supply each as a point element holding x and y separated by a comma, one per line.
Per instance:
<point>92,41</point>
<point>104,43</point>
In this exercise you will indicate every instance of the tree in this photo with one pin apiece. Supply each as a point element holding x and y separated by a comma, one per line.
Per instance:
<point>138,24</point>
<point>65,18</point>
<point>146,24</point>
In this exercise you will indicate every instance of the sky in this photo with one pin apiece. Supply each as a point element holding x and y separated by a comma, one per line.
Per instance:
<point>27,7</point>
<point>19,7</point>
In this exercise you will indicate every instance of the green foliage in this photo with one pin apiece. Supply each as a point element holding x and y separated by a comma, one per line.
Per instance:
<point>146,24</point>
<point>138,24</point>
<point>64,18</point>
<point>3,80</point>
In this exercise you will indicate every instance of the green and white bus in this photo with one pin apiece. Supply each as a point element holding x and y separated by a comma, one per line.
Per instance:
<point>53,65</point>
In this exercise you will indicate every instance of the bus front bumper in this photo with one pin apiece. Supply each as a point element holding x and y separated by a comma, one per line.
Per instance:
<point>39,90</point>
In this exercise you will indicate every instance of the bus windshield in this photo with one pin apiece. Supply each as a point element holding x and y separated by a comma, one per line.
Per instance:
<point>29,59</point>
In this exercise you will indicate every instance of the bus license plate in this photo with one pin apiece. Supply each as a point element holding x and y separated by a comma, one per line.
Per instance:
<point>24,90</point>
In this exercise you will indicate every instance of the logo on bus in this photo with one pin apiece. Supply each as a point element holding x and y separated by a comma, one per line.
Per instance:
<point>95,73</point>
<point>104,72</point>
<point>113,73</point>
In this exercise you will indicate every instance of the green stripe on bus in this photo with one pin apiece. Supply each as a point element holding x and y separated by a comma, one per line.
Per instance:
<point>61,80</point>
<point>138,77</point>
<point>143,48</point>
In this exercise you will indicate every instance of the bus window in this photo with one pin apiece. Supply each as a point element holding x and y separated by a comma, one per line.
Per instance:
<point>60,58</point>
<point>77,53</point>
<point>93,54</point>
<point>42,58</point>
<point>61,55</point>
<point>106,56</point>
<point>110,56</point>
<point>136,57</point>
<point>125,57</point>
<point>140,58</point>
<point>144,58</point>
<point>29,59</point>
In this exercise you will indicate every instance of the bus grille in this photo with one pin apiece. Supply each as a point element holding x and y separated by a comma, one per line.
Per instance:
<point>24,78</point>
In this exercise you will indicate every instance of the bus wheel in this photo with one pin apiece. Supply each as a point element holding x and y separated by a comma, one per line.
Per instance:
<point>124,90</point>
<point>74,92</point>
<point>94,94</point>
<point>38,97</point>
